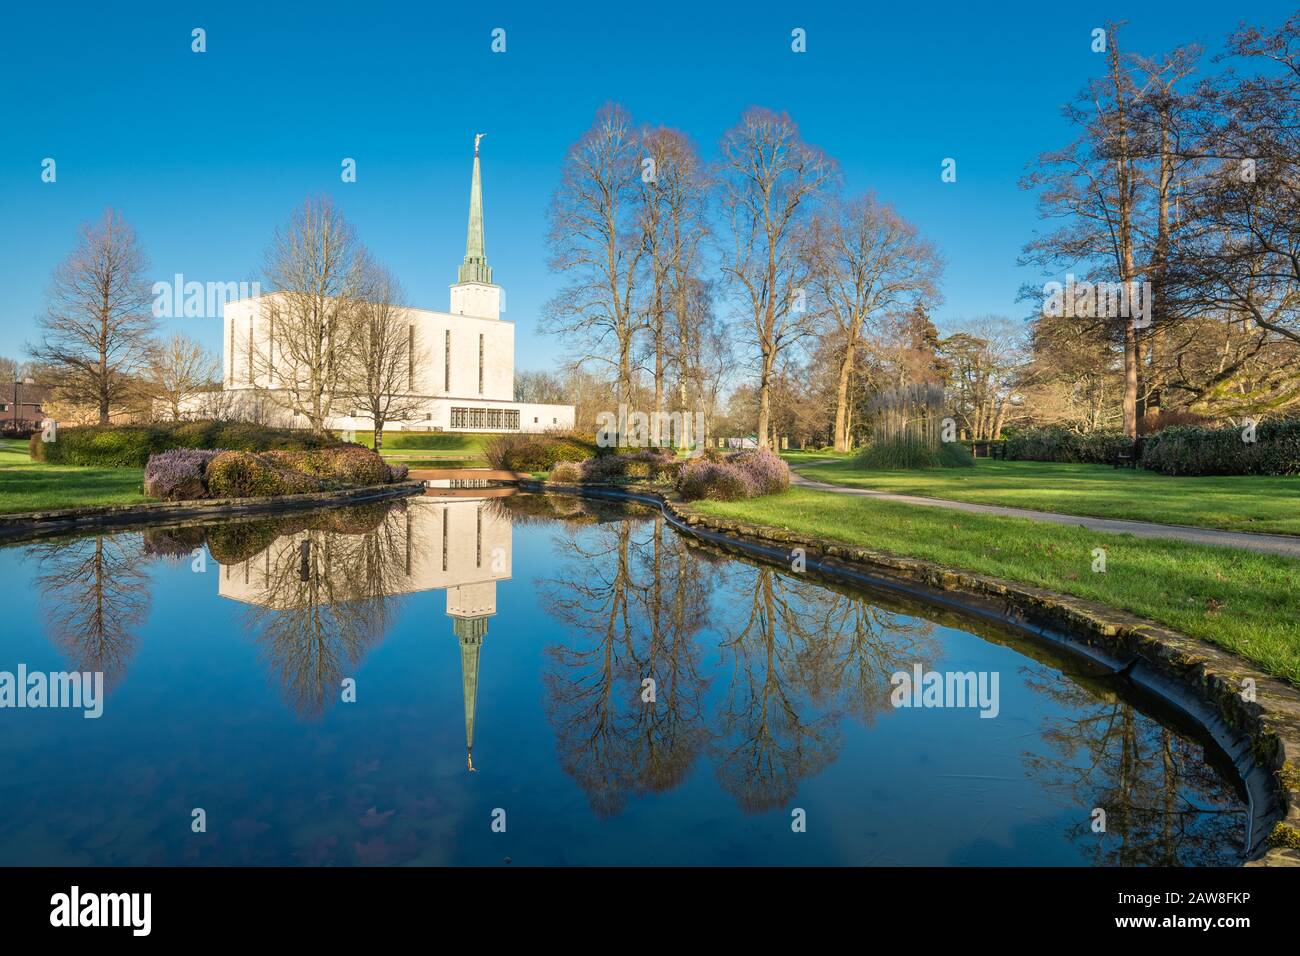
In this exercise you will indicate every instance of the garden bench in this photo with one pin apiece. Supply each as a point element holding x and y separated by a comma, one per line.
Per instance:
<point>1129,457</point>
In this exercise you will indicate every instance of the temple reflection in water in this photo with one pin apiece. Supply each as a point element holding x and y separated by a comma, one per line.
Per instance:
<point>449,540</point>
<point>771,690</point>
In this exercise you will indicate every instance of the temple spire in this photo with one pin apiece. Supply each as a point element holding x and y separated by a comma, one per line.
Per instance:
<point>470,632</point>
<point>475,267</point>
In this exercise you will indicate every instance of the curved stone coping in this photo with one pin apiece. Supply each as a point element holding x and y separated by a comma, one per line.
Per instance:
<point>1261,737</point>
<point>34,524</point>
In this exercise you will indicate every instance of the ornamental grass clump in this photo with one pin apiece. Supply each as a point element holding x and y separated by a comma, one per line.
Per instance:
<point>907,432</point>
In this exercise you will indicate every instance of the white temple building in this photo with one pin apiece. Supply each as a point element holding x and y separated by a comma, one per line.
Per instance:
<point>465,383</point>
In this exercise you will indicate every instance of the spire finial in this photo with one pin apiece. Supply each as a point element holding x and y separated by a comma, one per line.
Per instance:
<point>475,267</point>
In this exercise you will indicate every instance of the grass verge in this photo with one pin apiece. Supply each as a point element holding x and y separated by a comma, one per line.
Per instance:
<point>26,485</point>
<point>1241,601</point>
<point>1232,503</point>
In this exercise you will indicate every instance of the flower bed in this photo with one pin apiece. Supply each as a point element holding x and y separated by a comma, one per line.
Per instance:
<point>188,474</point>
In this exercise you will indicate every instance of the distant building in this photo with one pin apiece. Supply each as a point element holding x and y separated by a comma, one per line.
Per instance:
<point>466,382</point>
<point>29,407</point>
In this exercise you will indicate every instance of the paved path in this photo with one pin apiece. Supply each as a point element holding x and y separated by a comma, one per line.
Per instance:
<point>1283,544</point>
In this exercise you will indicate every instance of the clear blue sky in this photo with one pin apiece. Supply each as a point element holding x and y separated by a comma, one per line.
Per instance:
<point>207,153</point>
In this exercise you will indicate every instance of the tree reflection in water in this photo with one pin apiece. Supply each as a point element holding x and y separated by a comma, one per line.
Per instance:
<point>323,595</point>
<point>95,595</point>
<point>1105,754</point>
<point>634,606</point>
<point>636,598</point>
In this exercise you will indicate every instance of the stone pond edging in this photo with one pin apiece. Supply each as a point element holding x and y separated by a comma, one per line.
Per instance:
<point>32,524</point>
<point>1261,736</point>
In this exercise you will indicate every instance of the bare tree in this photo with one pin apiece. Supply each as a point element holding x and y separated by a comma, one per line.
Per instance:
<point>672,219</point>
<point>315,266</point>
<point>768,178</point>
<point>985,358</point>
<point>97,322</point>
<point>865,261</point>
<point>595,243</point>
<point>384,353</point>
<point>179,368</point>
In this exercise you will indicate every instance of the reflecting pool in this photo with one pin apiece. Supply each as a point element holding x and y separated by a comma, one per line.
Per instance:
<point>460,678</point>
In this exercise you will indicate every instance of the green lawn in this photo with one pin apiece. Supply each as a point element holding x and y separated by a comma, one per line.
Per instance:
<point>1239,600</point>
<point>797,457</point>
<point>26,485</point>
<point>1235,503</point>
<point>462,444</point>
<point>423,462</point>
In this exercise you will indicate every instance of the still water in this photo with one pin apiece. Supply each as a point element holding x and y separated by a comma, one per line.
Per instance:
<point>398,683</point>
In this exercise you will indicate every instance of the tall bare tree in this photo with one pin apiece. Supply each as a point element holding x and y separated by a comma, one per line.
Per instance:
<point>768,178</point>
<point>179,368</point>
<point>864,262</point>
<point>384,354</point>
<point>595,242</point>
<point>673,223</point>
<point>315,266</point>
<point>97,322</point>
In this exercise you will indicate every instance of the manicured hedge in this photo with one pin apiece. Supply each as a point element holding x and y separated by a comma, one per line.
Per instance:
<point>1188,450</point>
<point>1063,445</point>
<point>129,446</point>
<point>518,452</point>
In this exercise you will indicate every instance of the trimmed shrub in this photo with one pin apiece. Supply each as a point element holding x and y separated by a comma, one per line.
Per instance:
<point>397,473</point>
<point>908,451</point>
<point>719,480</point>
<point>177,475</point>
<point>243,474</point>
<point>566,471</point>
<point>129,446</point>
<point>1063,445</point>
<point>1188,450</point>
<point>518,452</point>
<point>347,465</point>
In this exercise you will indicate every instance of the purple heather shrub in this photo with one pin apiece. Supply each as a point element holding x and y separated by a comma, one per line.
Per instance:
<point>177,474</point>
<point>765,469</point>
<point>397,473</point>
<point>719,480</point>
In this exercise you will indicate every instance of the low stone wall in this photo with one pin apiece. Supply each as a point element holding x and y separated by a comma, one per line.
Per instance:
<point>1261,736</point>
<point>34,524</point>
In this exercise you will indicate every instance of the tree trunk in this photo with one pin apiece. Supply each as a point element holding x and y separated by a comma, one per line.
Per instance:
<point>1130,379</point>
<point>842,400</point>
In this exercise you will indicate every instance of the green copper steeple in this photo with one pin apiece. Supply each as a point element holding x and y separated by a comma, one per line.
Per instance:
<point>470,631</point>
<point>475,267</point>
